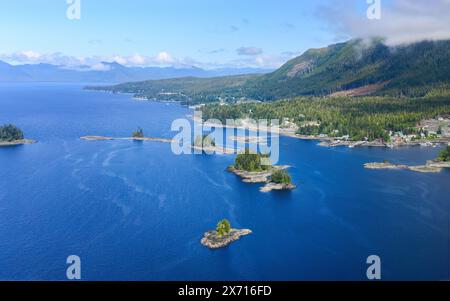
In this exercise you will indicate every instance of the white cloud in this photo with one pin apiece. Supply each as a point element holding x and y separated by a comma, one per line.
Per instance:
<point>402,21</point>
<point>254,58</point>
<point>164,58</point>
<point>137,60</point>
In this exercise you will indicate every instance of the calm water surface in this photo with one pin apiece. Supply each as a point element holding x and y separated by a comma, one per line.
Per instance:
<point>135,211</point>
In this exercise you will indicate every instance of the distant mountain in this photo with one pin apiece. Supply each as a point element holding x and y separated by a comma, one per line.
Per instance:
<point>353,68</point>
<point>107,72</point>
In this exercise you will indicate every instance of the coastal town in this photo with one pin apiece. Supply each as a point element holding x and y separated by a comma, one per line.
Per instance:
<point>428,133</point>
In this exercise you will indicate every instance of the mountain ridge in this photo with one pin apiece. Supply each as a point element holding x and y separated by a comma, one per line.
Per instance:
<point>367,67</point>
<point>108,72</point>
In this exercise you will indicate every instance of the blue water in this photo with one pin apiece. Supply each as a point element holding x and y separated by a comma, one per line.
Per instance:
<point>135,211</point>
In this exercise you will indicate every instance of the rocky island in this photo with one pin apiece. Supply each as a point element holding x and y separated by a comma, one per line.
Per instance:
<point>255,168</point>
<point>223,235</point>
<point>11,135</point>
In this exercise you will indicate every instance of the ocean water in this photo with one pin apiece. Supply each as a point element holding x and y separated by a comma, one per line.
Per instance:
<point>136,211</point>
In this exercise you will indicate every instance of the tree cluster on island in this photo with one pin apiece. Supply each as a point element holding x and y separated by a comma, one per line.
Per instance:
<point>252,162</point>
<point>223,228</point>
<point>281,177</point>
<point>444,155</point>
<point>139,133</point>
<point>9,133</point>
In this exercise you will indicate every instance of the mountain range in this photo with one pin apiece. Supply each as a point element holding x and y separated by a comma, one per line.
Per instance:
<point>354,68</point>
<point>108,73</point>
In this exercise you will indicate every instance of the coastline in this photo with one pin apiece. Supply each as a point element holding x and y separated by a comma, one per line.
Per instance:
<point>326,141</point>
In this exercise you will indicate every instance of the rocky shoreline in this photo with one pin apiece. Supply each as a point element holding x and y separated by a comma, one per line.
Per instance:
<point>16,142</point>
<point>212,240</point>
<point>103,138</point>
<point>429,167</point>
<point>255,177</point>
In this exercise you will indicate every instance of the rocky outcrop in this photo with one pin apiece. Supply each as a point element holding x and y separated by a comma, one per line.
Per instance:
<point>276,186</point>
<point>213,240</point>
<point>255,177</point>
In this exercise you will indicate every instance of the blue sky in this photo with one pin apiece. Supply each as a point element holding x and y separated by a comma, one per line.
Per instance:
<point>209,33</point>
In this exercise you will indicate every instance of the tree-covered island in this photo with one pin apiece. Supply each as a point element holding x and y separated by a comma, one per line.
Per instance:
<point>256,168</point>
<point>12,135</point>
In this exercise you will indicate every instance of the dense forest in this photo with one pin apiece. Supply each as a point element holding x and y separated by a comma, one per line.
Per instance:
<point>357,117</point>
<point>251,162</point>
<point>355,67</point>
<point>10,133</point>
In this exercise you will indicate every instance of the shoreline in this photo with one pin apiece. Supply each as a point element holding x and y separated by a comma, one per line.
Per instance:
<point>326,141</point>
<point>17,142</point>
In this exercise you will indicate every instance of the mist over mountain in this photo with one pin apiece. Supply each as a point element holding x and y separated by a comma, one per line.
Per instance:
<point>108,72</point>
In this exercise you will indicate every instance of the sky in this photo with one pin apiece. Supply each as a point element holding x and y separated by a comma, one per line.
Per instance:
<point>204,33</point>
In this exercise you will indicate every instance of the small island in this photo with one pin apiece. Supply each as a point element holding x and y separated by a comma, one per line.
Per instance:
<point>223,235</point>
<point>137,135</point>
<point>256,168</point>
<point>432,166</point>
<point>11,135</point>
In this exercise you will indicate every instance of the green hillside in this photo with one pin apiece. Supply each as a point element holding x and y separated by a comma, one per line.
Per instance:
<point>370,68</point>
<point>411,70</point>
<point>186,90</point>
